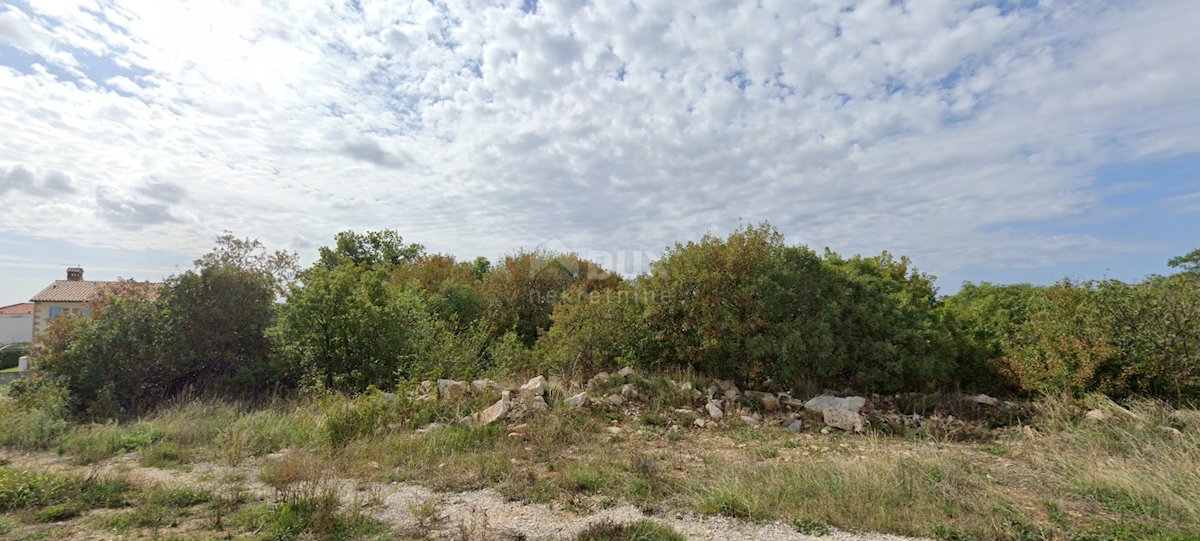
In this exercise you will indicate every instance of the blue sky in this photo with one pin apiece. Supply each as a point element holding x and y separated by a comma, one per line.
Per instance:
<point>999,141</point>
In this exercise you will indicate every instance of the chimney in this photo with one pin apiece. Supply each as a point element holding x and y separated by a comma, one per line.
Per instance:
<point>74,274</point>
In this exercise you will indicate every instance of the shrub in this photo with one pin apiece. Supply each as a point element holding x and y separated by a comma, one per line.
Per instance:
<point>887,332</point>
<point>219,317</point>
<point>351,326</point>
<point>750,307</point>
<point>983,317</point>
<point>11,357</point>
<point>743,307</point>
<point>115,360</point>
<point>590,332</point>
<point>524,287</point>
<point>1120,339</point>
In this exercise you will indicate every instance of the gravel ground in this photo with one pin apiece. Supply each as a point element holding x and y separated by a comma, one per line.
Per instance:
<point>487,514</point>
<point>540,522</point>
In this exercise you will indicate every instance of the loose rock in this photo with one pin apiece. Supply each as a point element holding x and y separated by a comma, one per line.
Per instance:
<point>625,372</point>
<point>448,388</point>
<point>844,419</point>
<point>795,427</point>
<point>597,380</point>
<point>535,386</point>
<point>616,400</point>
<point>1096,415</point>
<point>493,413</point>
<point>429,428</point>
<point>985,400</point>
<point>714,410</point>
<point>628,392</point>
<point>825,401</point>
<point>578,400</point>
<point>749,420</point>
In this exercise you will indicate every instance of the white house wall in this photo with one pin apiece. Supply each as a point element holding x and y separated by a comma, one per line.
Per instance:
<point>16,329</point>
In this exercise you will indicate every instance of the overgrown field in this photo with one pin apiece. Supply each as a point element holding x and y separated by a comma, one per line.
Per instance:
<point>330,416</point>
<point>1057,468</point>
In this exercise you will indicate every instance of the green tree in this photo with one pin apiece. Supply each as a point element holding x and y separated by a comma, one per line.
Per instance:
<point>983,318</point>
<point>219,317</point>
<point>1189,263</point>
<point>370,248</point>
<point>352,326</point>
<point>590,332</point>
<point>116,360</point>
<point>888,333</point>
<point>524,287</point>
<point>250,255</point>
<point>747,307</point>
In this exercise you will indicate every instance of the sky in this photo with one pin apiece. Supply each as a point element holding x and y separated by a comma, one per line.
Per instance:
<point>1007,141</point>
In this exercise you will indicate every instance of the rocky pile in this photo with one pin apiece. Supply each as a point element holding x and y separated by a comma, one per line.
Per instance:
<point>721,403</point>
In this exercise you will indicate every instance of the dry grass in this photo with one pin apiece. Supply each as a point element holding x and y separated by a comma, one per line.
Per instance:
<point>1042,472</point>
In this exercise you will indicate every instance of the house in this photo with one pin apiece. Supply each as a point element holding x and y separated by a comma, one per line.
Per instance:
<point>16,323</point>
<point>65,297</point>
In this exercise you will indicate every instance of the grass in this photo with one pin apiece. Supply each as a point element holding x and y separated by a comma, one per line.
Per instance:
<point>24,489</point>
<point>1039,472</point>
<point>643,530</point>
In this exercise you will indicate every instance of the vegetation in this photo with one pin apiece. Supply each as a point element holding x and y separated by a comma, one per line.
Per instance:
<point>312,377</point>
<point>375,311</point>
<point>1051,473</point>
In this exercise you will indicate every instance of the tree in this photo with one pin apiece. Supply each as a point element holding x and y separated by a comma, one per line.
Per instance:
<point>524,287</point>
<point>888,332</point>
<point>203,328</point>
<point>351,326</point>
<point>250,255</point>
<point>746,307</point>
<point>370,248</point>
<point>1189,263</point>
<point>480,267</point>
<point>119,359</point>
<point>220,316</point>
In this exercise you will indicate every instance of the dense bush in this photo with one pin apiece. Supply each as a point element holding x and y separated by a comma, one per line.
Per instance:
<point>11,357</point>
<point>375,311</point>
<point>749,307</point>
<point>220,316</point>
<point>888,332</point>
<point>352,326</point>
<point>984,317</point>
<point>596,331</point>
<point>202,329</point>
<point>117,359</point>
<point>524,287</point>
<point>746,307</point>
<point>1117,338</point>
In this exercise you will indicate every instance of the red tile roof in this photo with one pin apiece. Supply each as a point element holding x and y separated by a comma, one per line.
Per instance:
<point>22,309</point>
<point>70,291</point>
<point>84,290</point>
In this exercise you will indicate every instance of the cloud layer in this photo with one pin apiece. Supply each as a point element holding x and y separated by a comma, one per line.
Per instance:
<point>950,130</point>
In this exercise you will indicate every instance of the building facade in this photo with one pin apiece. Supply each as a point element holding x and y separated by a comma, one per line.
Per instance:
<point>16,323</point>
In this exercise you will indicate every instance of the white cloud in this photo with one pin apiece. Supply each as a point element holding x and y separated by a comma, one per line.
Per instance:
<point>938,128</point>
